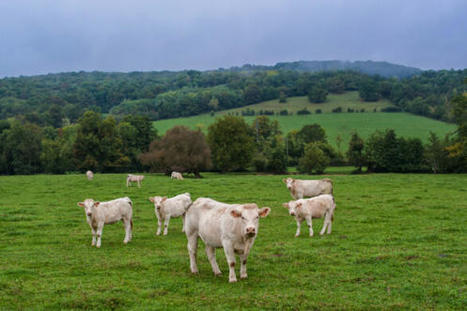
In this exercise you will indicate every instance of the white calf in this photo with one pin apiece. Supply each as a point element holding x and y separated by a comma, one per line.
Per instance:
<point>308,188</point>
<point>170,208</point>
<point>176,175</point>
<point>134,178</point>
<point>89,175</point>
<point>233,227</point>
<point>100,213</point>
<point>317,207</point>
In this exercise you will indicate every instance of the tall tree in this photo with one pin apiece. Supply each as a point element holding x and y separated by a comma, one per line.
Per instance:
<point>181,150</point>
<point>355,153</point>
<point>231,143</point>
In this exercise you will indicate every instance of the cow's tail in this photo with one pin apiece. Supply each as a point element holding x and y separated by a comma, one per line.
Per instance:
<point>131,224</point>
<point>329,181</point>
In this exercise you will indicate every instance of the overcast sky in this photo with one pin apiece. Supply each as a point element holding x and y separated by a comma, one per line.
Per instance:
<point>42,36</point>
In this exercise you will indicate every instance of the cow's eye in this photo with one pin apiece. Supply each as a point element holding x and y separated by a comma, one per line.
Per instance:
<point>257,217</point>
<point>243,218</point>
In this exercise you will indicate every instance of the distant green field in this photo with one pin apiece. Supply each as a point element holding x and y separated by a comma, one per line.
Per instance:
<point>398,243</point>
<point>343,124</point>
<point>293,104</point>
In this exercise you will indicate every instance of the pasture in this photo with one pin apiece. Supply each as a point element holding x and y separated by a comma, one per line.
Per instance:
<point>398,242</point>
<point>335,124</point>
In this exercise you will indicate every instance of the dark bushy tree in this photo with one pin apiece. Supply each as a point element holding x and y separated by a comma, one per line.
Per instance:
<point>231,143</point>
<point>314,159</point>
<point>317,94</point>
<point>181,149</point>
<point>355,154</point>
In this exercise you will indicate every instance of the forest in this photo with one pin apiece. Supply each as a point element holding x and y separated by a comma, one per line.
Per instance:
<point>60,99</point>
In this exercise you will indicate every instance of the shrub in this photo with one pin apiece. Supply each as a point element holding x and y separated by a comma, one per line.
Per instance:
<point>303,111</point>
<point>318,111</point>
<point>337,110</point>
<point>391,109</point>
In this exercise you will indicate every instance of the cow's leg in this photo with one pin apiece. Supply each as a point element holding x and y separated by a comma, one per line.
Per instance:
<point>159,224</point>
<point>93,236</point>
<point>192,250</point>
<point>299,222</point>
<point>330,222</point>
<point>310,227</point>
<point>211,253</point>
<point>243,258</point>
<point>230,255</point>
<point>127,183</point>
<point>139,184</point>
<point>127,225</point>
<point>100,226</point>
<point>166,224</point>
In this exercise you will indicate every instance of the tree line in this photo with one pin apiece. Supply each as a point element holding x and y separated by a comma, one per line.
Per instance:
<point>58,100</point>
<point>131,144</point>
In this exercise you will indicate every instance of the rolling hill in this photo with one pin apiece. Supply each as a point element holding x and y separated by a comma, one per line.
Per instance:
<point>335,124</point>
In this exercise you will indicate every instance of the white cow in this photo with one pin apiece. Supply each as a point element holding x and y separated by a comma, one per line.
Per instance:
<point>89,175</point>
<point>317,207</point>
<point>231,226</point>
<point>176,175</point>
<point>170,208</point>
<point>308,188</point>
<point>134,178</point>
<point>100,213</point>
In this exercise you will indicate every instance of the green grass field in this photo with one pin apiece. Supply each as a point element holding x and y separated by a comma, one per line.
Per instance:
<point>343,124</point>
<point>293,104</point>
<point>398,242</point>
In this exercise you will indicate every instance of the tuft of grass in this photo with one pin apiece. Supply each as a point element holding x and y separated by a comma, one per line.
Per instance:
<point>398,242</point>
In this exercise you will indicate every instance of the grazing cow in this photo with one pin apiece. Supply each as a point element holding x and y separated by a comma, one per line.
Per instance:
<point>317,207</point>
<point>89,175</point>
<point>134,178</point>
<point>308,188</point>
<point>231,226</point>
<point>176,175</point>
<point>170,208</point>
<point>100,213</point>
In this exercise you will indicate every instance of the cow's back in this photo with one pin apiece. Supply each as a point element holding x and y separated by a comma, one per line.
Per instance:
<point>115,210</point>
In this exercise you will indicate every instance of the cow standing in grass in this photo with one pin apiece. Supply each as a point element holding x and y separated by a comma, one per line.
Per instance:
<point>170,208</point>
<point>134,178</point>
<point>100,213</point>
<point>176,175</point>
<point>307,209</point>
<point>89,175</point>
<point>233,227</point>
<point>308,188</point>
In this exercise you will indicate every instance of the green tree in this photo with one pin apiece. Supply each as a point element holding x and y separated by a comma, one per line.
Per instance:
<point>181,149</point>
<point>231,143</point>
<point>314,159</point>
<point>317,94</point>
<point>355,154</point>
<point>21,149</point>
<point>312,133</point>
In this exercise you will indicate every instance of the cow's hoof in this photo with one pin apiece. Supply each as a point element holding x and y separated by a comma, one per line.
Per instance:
<point>243,277</point>
<point>218,274</point>
<point>233,281</point>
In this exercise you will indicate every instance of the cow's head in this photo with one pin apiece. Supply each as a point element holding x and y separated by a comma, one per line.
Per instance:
<point>288,182</point>
<point>158,202</point>
<point>249,215</point>
<point>293,207</point>
<point>88,205</point>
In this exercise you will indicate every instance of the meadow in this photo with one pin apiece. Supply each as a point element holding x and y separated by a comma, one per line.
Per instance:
<point>335,124</point>
<point>398,242</point>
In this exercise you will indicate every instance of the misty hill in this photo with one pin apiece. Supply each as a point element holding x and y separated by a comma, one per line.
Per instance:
<point>383,69</point>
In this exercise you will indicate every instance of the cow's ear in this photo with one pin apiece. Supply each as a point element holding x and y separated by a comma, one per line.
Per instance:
<point>264,211</point>
<point>96,204</point>
<point>235,213</point>
<point>286,205</point>
<point>163,199</point>
<point>151,199</point>
<point>80,204</point>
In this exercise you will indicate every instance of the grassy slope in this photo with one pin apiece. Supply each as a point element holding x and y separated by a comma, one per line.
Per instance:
<point>396,243</point>
<point>346,100</point>
<point>335,124</point>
